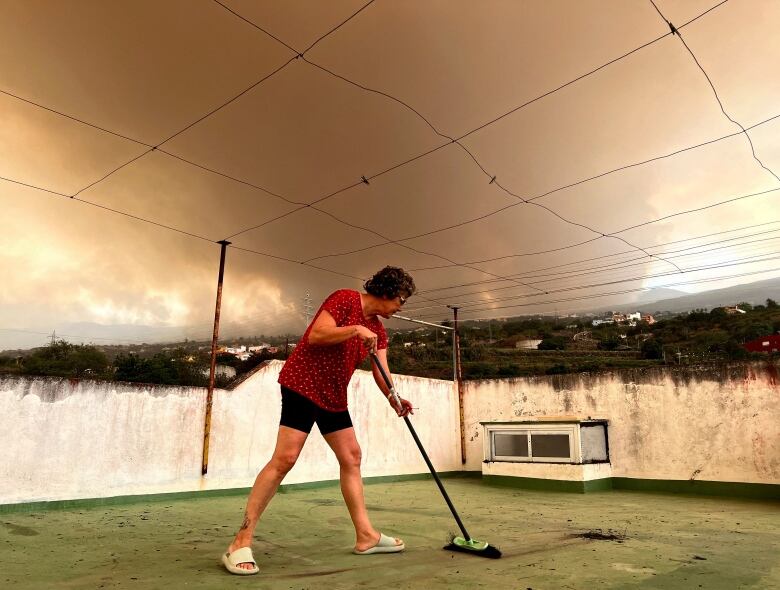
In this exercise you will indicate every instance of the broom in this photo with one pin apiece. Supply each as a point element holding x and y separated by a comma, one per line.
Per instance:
<point>464,544</point>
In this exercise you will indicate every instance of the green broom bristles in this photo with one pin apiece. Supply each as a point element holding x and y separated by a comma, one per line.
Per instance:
<point>474,547</point>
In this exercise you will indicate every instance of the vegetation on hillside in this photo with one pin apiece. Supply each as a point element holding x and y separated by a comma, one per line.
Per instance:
<point>489,349</point>
<point>182,365</point>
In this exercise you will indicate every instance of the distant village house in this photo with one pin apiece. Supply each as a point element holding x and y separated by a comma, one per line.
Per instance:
<point>764,344</point>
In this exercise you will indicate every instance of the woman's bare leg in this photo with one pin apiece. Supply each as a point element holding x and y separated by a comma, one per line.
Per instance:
<point>289,443</point>
<point>345,445</point>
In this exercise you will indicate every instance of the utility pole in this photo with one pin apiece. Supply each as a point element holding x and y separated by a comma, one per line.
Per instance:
<point>307,307</point>
<point>458,377</point>
<point>53,337</point>
<point>213,368</point>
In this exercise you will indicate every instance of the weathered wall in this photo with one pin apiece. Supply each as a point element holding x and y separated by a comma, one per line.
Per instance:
<point>707,424</point>
<point>245,422</point>
<point>66,439</point>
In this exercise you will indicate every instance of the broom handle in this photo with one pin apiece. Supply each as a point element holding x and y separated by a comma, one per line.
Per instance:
<point>422,449</point>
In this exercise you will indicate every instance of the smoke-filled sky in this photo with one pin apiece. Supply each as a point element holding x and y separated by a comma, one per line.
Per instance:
<point>533,127</point>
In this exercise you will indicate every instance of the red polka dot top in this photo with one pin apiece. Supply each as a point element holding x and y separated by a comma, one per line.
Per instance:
<point>322,372</point>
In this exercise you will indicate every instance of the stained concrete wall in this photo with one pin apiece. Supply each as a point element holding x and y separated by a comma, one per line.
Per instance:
<point>68,439</point>
<point>245,422</point>
<point>63,439</point>
<point>715,424</point>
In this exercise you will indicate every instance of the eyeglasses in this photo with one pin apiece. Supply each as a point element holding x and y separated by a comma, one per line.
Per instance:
<point>402,299</point>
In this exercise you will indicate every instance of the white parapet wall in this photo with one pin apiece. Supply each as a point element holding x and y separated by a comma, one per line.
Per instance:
<point>709,424</point>
<point>68,439</point>
<point>245,422</point>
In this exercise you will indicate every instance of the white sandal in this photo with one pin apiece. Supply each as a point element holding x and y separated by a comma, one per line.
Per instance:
<point>384,545</point>
<point>243,555</point>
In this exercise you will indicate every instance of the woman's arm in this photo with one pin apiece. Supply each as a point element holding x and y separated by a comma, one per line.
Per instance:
<point>325,332</point>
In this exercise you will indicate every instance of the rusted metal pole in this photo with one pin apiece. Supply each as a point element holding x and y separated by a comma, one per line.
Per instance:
<point>213,369</point>
<point>459,383</point>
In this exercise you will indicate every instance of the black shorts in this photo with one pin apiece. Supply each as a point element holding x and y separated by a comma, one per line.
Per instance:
<point>301,413</point>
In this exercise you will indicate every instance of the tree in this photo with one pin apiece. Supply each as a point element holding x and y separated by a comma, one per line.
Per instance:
<point>609,343</point>
<point>552,343</point>
<point>771,304</point>
<point>157,369</point>
<point>10,364</point>
<point>62,359</point>
<point>734,350</point>
<point>754,330</point>
<point>651,349</point>
<point>225,358</point>
<point>475,352</point>
<point>179,368</point>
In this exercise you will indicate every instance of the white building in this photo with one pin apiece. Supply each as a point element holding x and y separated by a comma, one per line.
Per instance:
<point>528,344</point>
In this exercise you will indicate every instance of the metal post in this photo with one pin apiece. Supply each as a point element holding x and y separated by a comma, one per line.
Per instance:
<point>213,369</point>
<point>454,356</point>
<point>459,383</point>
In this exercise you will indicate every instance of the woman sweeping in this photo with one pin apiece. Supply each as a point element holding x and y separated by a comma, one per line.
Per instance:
<point>314,390</point>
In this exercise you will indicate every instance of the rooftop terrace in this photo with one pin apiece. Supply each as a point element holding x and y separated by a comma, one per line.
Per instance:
<point>664,541</point>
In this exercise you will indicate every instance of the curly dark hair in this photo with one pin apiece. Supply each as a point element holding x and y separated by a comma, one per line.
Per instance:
<point>390,282</point>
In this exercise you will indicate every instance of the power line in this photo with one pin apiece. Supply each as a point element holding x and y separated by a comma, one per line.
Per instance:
<point>337,27</point>
<point>493,178</point>
<point>522,254</point>
<point>671,254</point>
<point>54,335</point>
<point>584,272</point>
<point>73,118</point>
<point>675,31</point>
<point>472,131</point>
<point>735,262</point>
<point>208,114</point>
<point>451,140</point>
<point>613,293</point>
<point>258,27</point>
<point>731,200</point>
<point>301,55</point>
<point>697,209</point>
<point>746,260</point>
<point>545,194</point>
<point>601,67</point>
<point>280,68</point>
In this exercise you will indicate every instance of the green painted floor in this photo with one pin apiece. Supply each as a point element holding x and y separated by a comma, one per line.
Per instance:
<point>305,538</point>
